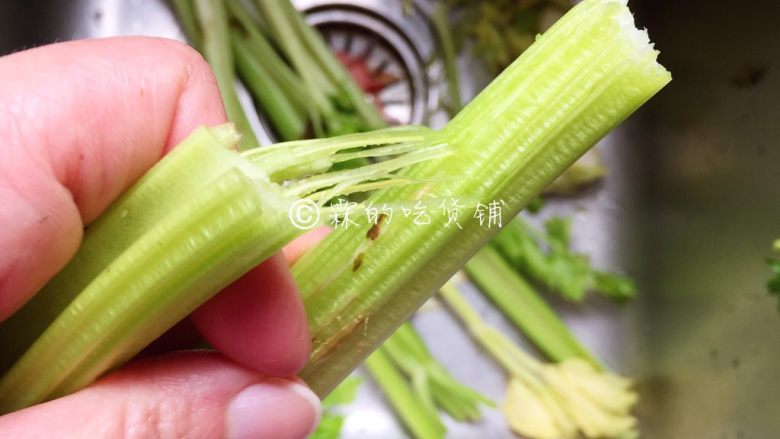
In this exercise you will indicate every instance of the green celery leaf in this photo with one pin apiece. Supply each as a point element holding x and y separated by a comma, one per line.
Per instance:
<point>614,286</point>
<point>331,423</point>
<point>329,427</point>
<point>345,393</point>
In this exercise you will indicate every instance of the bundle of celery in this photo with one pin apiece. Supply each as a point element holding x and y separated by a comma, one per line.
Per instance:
<point>300,86</point>
<point>206,214</point>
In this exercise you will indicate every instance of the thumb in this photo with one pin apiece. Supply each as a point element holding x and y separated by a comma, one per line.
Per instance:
<point>187,394</point>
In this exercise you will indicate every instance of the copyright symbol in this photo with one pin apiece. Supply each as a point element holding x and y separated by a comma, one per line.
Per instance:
<point>304,214</point>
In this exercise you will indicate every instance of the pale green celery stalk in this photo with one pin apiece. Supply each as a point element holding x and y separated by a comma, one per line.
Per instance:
<point>288,82</point>
<point>147,203</point>
<point>287,122</point>
<point>199,219</point>
<point>244,218</point>
<point>215,33</point>
<point>565,400</point>
<point>168,258</point>
<point>422,420</point>
<point>432,383</point>
<point>580,79</point>
<point>441,26</point>
<point>185,12</point>
<point>264,51</point>
<point>527,310</point>
<point>493,341</point>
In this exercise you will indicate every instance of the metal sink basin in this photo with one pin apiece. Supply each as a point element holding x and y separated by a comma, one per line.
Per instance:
<point>689,208</point>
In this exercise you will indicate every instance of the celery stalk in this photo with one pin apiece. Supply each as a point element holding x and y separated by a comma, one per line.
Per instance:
<point>432,383</point>
<point>527,310</point>
<point>205,156</point>
<point>288,83</point>
<point>558,400</point>
<point>185,12</point>
<point>441,27</point>
<point>286,120</point>
<point>333,68</point>
<point>199,219</point>
<point>581,78</point>
<point>263,50</point>
<point>315,83</point>
<point>422,420</point>
<point>324,78</point>
<point>235,215</point>
<point>212,17</point>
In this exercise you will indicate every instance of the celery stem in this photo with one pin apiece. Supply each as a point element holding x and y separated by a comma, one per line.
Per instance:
<point>580,79</point>
<point>216,48</point>
<point>527,310</point>
<point>441,26</point>
<point>422,420</point>
<point>285,119</point>
<point>186,13</point>
<point>333,68</point>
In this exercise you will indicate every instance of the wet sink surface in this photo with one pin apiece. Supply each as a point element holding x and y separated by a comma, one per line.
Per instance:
<point>689,208</point>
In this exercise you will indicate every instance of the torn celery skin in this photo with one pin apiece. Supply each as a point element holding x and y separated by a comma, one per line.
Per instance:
<point>577,82</point>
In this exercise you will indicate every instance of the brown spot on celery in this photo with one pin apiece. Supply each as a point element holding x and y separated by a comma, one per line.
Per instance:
<point>358,262</point>
<point>321,352</point>
<point>373,232</point>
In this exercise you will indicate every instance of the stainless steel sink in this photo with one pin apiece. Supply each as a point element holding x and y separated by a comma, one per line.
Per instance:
<point>690,206</point>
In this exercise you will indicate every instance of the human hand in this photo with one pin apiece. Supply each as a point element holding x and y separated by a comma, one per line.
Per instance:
<point>79,123</point>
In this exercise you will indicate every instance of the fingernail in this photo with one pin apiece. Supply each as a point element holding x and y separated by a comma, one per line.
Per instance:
<point>274,408</point>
